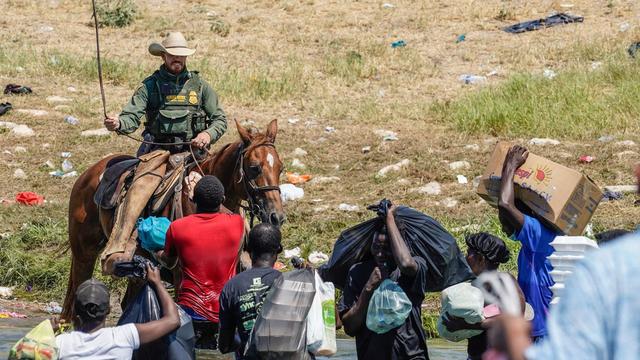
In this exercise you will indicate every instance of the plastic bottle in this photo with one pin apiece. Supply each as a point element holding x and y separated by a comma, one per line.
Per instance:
<point>71,120</point>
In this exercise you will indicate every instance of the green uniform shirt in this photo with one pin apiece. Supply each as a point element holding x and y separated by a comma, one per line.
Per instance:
<point>165,93</point>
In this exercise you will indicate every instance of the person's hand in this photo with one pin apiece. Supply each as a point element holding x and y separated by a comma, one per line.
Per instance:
<point>510,335</point>
<point>391,210</point>
<point>454,323</point>
<point>202,140</point>
<point>374,280</point>
<point>516,156</point>
<point>112,123</point>
<point>56,323</point>
<point>153,275</point>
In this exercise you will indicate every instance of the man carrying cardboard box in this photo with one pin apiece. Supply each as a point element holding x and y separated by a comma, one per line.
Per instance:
<point>518,221</point>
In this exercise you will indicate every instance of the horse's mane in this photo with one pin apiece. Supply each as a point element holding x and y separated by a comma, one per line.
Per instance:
<point>257,139</point>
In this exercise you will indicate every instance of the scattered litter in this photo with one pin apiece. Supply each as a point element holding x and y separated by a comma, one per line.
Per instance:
<point>5,107</point>
<point>29,198</point>
<point>493,72</point>
<point>299,152</point>
<point>329,129</point>
<point>67,165</point>
<point>596,65</point>
<point>289,253</point>
<point>293,121</point>
<point>390,138</point>
<point>386,135</point>
<point>7,152</point>
<point>543,141</point>
<point>381,93</point>
<point>450,202</point>
<point>19,174</point>
<point>624,26</point>
<point>395,167</point>
<point>549,74</point>
<point>297,179</point>
<point>462,179</point>
<point>296,163</point>
<point>347,207</point>
<point>6,292</point>
<point>472,79</point>
<point>459,165</point>
<point>71,120</point>
<point>71,89</point>
<point>279,266</point>
<point>467,228</point>
<point>70,174</point>
<point>626,143</point>
<point>11,314</point>
<point>324,180</point>
<point>606,138</point>
<point>20,149</point>
<point>95,132</point>
<point>7,124</point>
<point>472,147</point>
<point>432,188</point>
<point>53,308</point>
<point>366,149</point>
<point>612,195</point>
<point>461,38</point>
<point>50,164</point>
<point>622,188</point>
<point>45,28</point>
<point>22,131</point>
<point>399,43</point>
<point>586,159</point>
<point>17,89</point>
<point>633,49</point>
<point>321,208</point>
<point>19,69</point>
<point>318,257</point>
<point>388,6</point>
<point>56,98</point>
<point>32,112</point>
<point>290,192</point>
<point>557,19</point>
<point>403,182</point>
<point>566,6</point>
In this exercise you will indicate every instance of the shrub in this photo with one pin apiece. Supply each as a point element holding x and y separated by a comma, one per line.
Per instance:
<point>118,13</point>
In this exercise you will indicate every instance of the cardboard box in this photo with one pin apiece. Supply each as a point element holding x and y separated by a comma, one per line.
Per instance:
<point>561,197</point>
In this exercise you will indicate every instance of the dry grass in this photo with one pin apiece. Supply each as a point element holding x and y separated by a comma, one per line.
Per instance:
<point>328,63</point>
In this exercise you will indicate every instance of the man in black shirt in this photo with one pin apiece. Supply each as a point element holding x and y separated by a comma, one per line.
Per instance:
<point>391,259</point>
<point>242,297</point>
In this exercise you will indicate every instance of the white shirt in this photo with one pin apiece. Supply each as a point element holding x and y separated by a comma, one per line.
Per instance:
<point>107,343</point>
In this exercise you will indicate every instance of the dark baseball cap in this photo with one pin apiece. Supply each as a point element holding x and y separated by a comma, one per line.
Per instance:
<point>92,300</point>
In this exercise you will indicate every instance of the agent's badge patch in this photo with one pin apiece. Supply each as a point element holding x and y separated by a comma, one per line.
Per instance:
<point>193,98</point>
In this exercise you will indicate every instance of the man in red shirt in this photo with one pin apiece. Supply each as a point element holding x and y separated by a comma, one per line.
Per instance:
<point>206,246</point>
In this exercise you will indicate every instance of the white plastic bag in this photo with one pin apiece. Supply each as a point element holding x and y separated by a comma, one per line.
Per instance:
<point>321,321</point>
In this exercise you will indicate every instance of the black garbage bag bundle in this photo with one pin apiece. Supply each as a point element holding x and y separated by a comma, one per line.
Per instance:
<point>180,344</point>
<point>280,329</point>
<point>424,236</point>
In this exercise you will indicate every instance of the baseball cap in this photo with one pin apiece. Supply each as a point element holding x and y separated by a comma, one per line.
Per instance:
<point>92,299</point>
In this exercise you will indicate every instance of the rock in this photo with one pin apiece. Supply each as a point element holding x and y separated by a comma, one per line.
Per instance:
<point>19,69</point>
<point>33,112</point>
<point>290,192</point>
<point>622,188</point>
<point>7,125</point>
<point>450,202</point>
<point>50,164</point>
<point>296,163</point>
<point>324,180</point>
<point>606,138</point>
<point>382,133</point>
<point>626,143</point>
<point>19,174</point>
<point>476,181</point>
<point>387,6</point>
<point>330,129</point>
<point>543,141</point>
<point>347,207</point>
<point>317,257</point>
<point>45,29</point>
<point>549,74</point>
<point>403,182</point>
<point>62,108</point>
<point>56,98</point>
<point>22,131</point>
<point>248,123</point>
<point>6,292</point>
<point>321,208</point>
<point>462,179</point>
<point>95,132</point>
<point>490,141</point>
<point>395,167</point>
<point>459,165</point>
<point>472,147</point>
<point>627,153</point>
<point>366,149</point>
<point>71,89</point>
<point>299,152</point>
<point>432,188</point>
<point>293,121</point>
<point>20,149</point>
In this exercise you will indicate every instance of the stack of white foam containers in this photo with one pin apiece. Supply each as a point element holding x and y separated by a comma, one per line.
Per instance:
<point>568,251</point>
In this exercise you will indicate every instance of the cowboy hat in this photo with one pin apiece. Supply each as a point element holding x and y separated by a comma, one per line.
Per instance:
<point>173,44</point>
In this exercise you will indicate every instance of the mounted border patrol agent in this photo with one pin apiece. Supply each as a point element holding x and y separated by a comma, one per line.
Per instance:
<point>181,111</point>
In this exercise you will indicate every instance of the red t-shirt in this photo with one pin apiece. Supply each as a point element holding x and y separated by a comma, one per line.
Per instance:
<point>207,248</point>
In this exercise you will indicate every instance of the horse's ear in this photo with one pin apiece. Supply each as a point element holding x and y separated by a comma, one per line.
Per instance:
<point>244,133</point>
<point>272,130</point>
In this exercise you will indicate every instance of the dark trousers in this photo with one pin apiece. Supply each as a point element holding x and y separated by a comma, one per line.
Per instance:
<point>206,334</point>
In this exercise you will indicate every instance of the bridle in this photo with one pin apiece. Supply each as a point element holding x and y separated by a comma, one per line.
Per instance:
<point>256,206</point>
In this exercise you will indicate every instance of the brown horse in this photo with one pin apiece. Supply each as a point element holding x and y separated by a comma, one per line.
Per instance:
<point>249,169</point>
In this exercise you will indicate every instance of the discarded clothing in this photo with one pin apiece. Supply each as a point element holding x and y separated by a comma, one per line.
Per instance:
<point>557,19</point>
<point>29,198</point>
<point>612,195</point>
<point>5,107</point>
<point>17,89</point>
<point>11,314</point>
<point>137,267</point>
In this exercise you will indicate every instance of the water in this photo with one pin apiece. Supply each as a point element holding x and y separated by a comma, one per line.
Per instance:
<point>11,330</point>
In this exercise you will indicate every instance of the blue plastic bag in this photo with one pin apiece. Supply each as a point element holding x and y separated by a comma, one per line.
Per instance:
<point>389,307</point>
<point>152,232</point>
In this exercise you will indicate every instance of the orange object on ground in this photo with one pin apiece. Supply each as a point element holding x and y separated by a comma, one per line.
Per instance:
<point>279,265</point>
<point>29,198</point>
<point>296,179</point>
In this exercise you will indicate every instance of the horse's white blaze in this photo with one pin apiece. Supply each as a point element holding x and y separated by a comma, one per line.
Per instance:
<point>270,159</point>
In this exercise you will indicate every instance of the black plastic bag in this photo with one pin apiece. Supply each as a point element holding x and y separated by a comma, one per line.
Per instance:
<point>279,332</point>
<point>424,236</point>
<point>180,344</point>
